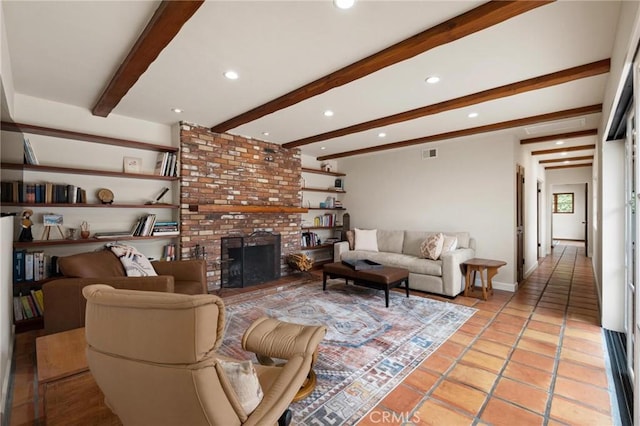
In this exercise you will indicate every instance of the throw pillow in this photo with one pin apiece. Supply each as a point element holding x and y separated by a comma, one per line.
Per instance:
<point>450,243</point>
<point>135,263</point>
<point>366,239</point>
<point>351,239</point>
<point>431,248</point>
<point>244,381</point>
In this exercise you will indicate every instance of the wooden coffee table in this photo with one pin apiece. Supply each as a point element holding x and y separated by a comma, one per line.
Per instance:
<point>479,265</point>
<point>71,395</point>
<point>380,279</point>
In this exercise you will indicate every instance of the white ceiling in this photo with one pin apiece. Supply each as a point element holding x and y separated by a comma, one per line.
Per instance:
<point>67,51</point>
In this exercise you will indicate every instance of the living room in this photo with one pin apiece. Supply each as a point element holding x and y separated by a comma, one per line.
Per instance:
<point>468,185</point>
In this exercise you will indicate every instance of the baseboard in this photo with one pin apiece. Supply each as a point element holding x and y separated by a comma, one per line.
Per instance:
<point>497,285</point>
<point>512,287</point>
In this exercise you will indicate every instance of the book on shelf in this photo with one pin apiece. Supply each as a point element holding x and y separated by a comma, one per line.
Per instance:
<point>18,265</point>
<point>38,297</point>
<point>17,309</point>
<point>35,305</point>
<point>29,153</point>
<point>165,228</point>
<point>112,234</point>
<point>26,307</point>
<point>161,163</point>
<point>28,266</point>
<point>169,252</point>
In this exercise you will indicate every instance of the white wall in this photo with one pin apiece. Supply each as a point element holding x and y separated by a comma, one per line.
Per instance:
<point>6,76</point>
<point>570,226</point>
<point>6,308</point>
<point>470,187</point>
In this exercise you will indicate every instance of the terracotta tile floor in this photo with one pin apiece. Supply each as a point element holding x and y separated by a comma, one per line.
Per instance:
<point>535,357</point>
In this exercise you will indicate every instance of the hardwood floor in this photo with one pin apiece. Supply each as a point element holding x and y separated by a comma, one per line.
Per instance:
<point>536,356</point>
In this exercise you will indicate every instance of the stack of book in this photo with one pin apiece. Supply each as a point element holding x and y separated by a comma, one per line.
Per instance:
<point>28,306</point>
<point>31,266</point>
<point>144,226</point>
<point>46,193</point>
<point>165,228</point>
<point>309,239</point>
<point>169,252</point>
<point>325,220</point>
<point>166,164</point>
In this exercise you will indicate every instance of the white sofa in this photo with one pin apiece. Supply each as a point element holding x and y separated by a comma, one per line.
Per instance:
<point>402,249</point>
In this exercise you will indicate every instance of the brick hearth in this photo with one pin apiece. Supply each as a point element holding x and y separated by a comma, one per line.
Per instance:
<point>222,169</point>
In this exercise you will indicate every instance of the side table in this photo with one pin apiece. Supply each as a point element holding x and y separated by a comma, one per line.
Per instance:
<point>480,265</point>
<point>71,395</point>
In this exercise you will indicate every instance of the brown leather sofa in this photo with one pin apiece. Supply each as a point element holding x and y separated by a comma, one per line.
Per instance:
<point>65,305</point>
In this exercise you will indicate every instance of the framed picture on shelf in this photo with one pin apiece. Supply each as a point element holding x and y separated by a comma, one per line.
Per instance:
<point>132,164</point>
<point>52,219</point>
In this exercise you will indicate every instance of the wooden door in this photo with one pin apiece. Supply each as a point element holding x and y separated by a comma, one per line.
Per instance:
<point>520,223</point>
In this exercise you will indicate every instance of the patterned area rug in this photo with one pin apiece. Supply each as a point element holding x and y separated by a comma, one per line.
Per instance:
<point>368,348</point>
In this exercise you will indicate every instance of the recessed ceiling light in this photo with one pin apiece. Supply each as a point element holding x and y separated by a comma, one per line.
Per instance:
<point>344,4</point>
<point>323,148</point>
<point>265,133</point>
<point>472,115</point>
<point>176,110</point>
<point>382,134</point>
<point>231,75</point>
<point>328,113</point>
<point>433,79</point>
<point>566,161</point>
<point>560,143</point>
<point>564,153</point>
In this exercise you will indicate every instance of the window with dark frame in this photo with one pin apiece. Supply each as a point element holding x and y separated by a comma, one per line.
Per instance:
<point>563,202</point>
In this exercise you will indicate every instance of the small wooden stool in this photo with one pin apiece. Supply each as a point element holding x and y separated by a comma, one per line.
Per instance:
<point>479,265</point>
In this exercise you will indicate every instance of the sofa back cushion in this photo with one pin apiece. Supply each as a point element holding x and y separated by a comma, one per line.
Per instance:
<point>413,240</point>
<point>390,241</point>
<point>93,264</point>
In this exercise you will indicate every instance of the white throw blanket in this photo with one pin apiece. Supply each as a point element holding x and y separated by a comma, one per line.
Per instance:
<point>135,263</point>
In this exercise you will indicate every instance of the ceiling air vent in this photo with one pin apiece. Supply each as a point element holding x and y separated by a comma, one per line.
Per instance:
<point>429,153</point>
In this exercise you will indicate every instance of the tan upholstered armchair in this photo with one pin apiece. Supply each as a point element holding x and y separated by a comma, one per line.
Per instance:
<point>154,357</point>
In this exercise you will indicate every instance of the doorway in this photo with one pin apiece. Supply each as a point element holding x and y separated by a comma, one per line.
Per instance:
<point>519,223</point>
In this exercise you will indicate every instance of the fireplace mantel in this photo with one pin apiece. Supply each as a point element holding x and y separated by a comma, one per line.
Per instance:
<point>235,208</point>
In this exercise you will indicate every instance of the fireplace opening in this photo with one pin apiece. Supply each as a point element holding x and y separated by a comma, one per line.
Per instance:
<point>250,260</point>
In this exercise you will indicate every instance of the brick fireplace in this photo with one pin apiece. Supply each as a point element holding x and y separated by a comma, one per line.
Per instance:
<point>232,185</point>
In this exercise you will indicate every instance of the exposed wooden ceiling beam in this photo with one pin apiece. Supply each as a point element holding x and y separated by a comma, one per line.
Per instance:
<point>478,19</point>
<point>536,83</point>
<point>570,135</point>
<point>558,115</point>
<point>559,160</point>
<point>161,29</point>
<point>565,149</point>
<point>569,166</point>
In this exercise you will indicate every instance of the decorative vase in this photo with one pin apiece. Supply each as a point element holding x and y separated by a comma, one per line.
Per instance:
<point>84,234</point>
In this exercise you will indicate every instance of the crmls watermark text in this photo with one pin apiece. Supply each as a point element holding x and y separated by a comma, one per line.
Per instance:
<point>385,417</point>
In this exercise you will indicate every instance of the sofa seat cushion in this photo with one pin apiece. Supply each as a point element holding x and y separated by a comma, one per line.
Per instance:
<point>413,264</point>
